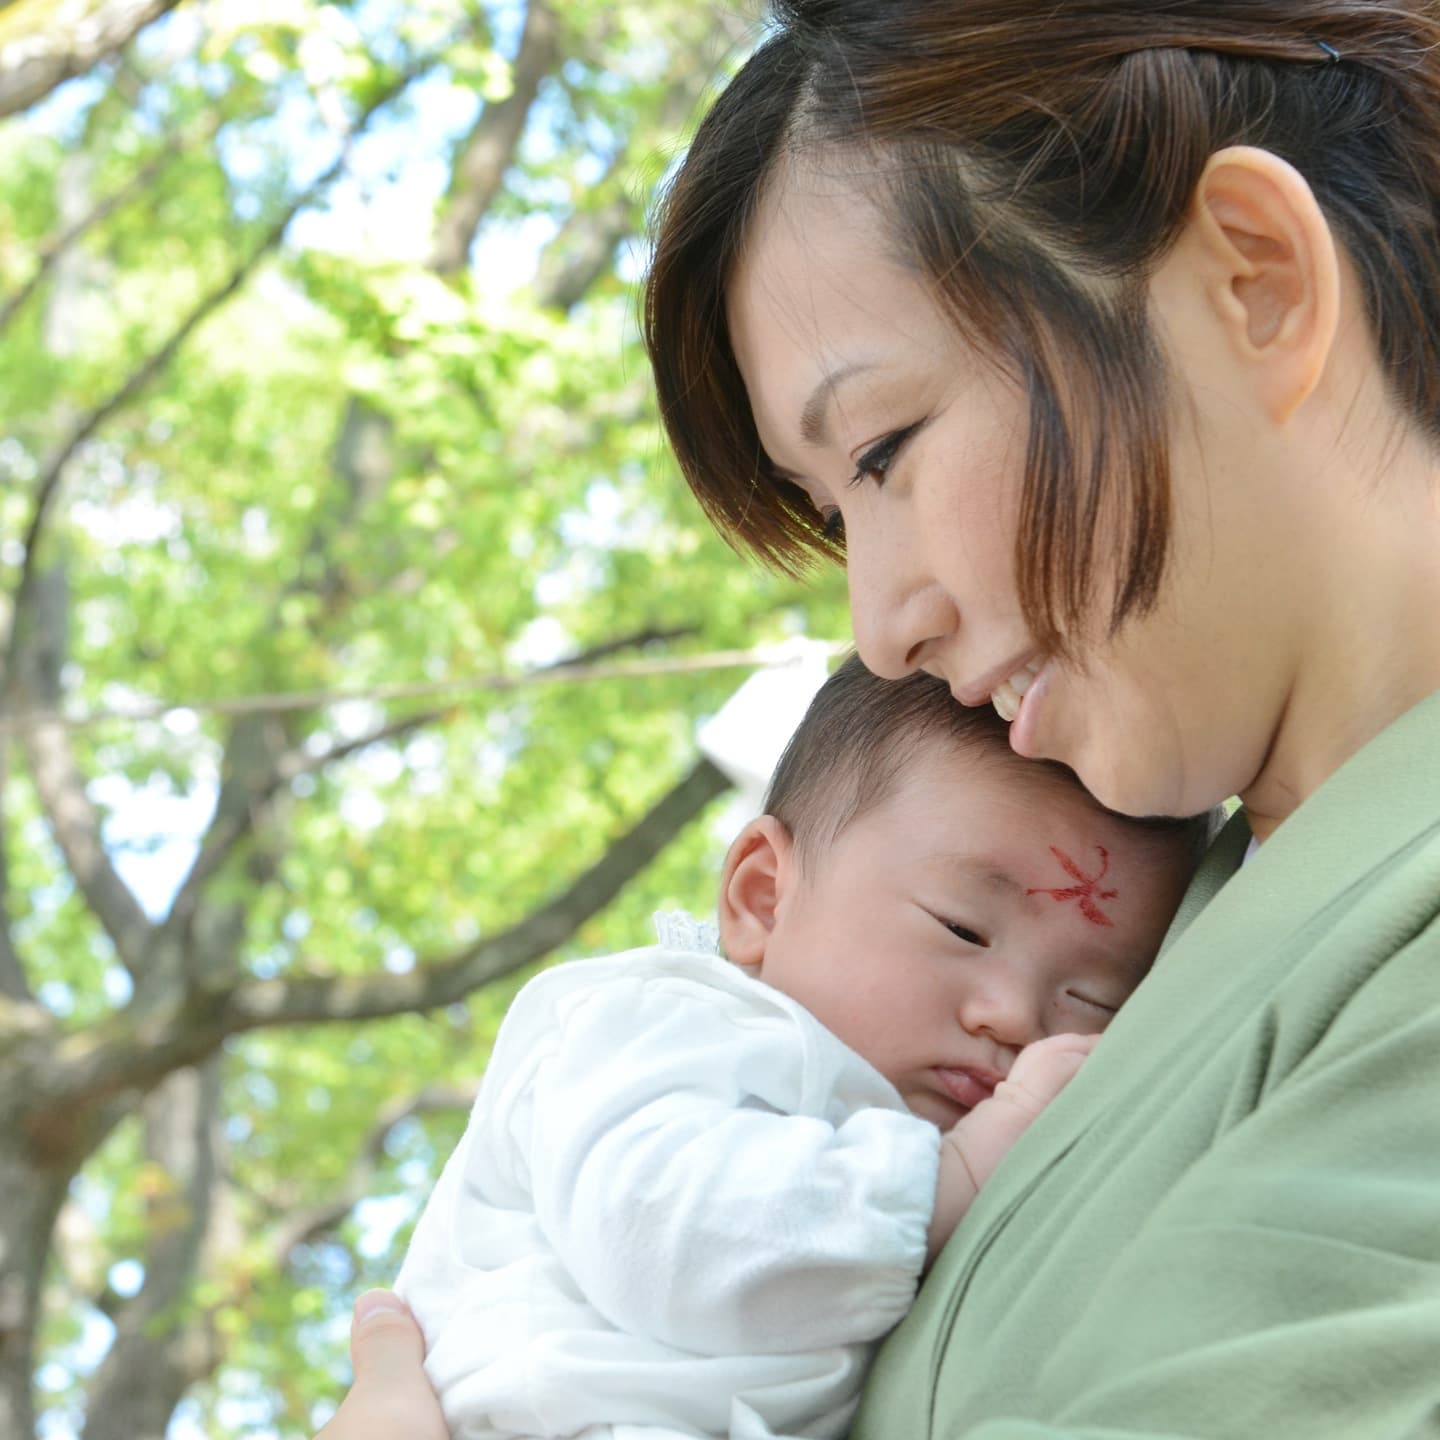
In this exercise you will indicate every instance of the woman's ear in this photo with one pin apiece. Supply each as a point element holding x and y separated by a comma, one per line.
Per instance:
<point>759,868</point>
<point>1270,271</point>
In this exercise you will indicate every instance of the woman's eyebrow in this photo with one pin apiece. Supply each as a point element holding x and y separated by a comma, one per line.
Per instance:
<point>812,414</point>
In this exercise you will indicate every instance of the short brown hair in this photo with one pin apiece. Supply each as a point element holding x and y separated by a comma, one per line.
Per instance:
<point>861,732</point>
<point>1036,186</point>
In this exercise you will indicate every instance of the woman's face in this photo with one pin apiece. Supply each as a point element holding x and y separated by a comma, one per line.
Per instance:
<point>865,394</point>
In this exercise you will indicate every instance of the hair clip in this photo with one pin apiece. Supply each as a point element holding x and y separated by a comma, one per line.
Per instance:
<point>1330,50</point>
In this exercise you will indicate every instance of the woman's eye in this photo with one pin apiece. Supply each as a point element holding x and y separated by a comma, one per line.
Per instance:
<point>877,460</point>
<point>1092,1004</point>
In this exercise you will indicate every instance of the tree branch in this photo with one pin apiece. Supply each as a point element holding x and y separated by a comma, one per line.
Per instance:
<point>56,245</point>
<point>239,808</point>
<point>163,1341</point>
<point>491,144</point>
<point>76,828</point>
<point>243,800</point>
<point>255,771</point>
<point>585,246</point>
<point>59,784</point>
<point>44,43</point>
<point>145,1042</point>
<point>14,985</point>
<point>48,483</point>
<point>303,1227</point>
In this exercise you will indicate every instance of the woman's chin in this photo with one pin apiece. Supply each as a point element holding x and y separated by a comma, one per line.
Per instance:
<point>1130,778</point>
<point>1145,790</point>
<point>1130,785</point>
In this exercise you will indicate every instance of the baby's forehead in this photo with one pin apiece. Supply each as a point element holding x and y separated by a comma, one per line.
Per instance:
<point>982,868</point>
<point>986,765</point>
<point>980,791</point>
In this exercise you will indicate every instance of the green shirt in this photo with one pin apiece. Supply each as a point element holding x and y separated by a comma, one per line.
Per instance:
<point>1229,1224</point>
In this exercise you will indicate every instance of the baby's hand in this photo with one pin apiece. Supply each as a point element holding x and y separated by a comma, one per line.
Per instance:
<point>975,1145</point>
<point>1042,1070</point>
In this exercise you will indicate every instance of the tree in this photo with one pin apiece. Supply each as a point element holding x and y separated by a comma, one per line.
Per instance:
<point>322,380</point>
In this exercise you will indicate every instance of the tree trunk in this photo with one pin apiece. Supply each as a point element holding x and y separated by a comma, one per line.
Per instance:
<point>30,1199</point>
<point>37,1162</point>
<point>164,1341</point>
<point>51,1122</point>
<point>43,44</point>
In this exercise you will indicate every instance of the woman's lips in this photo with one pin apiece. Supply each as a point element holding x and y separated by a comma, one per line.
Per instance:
<point>1024,738</point>
<point>1004,677</point>
<point>969,1086</point>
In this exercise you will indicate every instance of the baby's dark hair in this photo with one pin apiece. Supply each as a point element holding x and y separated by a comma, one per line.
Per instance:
<point>861,732</point>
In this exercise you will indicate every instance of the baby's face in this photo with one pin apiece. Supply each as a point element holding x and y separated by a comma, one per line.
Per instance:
<point>972,911</point>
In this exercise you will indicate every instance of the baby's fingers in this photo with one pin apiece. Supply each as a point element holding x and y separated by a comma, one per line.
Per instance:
<point>1042,1070</point>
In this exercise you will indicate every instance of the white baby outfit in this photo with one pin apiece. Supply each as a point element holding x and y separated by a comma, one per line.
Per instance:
<point>681,1207</point>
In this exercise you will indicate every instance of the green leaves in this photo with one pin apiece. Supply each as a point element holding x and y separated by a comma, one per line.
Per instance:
<point>355,474</point>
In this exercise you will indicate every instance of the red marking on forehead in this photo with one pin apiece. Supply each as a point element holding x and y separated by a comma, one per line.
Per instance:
<point>1085,890</point>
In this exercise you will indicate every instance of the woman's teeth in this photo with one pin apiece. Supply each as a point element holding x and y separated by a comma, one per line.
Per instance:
<point>1006,696</point>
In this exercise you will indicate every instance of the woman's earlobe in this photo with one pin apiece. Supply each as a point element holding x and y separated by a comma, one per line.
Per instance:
<point>753,882</point>
<point>1273,253</point>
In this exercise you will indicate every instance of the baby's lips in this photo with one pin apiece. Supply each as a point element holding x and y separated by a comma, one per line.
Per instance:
<point>969,1086</point>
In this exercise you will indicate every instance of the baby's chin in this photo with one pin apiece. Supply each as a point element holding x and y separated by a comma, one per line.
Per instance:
<point>940,1111</point>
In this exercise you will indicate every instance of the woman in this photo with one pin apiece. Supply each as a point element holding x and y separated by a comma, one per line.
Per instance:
<point>391,1399</point>
<point>1104,345</point>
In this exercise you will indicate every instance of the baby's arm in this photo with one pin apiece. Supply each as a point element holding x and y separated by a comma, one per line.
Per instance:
<point>972,1148</point>
<point>685,1202</point>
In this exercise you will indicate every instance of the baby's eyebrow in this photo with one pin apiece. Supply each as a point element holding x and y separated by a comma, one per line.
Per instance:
<point>984,868</point>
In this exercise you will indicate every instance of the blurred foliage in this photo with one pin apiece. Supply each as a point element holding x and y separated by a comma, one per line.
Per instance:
<point>514,506</point>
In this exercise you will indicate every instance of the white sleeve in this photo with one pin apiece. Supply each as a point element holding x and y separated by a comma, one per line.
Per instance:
<point>690,1211</point>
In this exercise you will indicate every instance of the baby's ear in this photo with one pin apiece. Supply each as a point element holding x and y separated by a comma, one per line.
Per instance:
<point>757,870</point>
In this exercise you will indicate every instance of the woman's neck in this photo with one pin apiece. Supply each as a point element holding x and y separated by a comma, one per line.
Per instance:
<point>1371,649</point>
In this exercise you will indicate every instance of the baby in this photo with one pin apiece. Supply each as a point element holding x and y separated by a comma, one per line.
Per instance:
<point>697,1187</point>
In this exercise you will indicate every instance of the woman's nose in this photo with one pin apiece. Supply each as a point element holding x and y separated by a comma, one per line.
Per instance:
<point>902,619</point>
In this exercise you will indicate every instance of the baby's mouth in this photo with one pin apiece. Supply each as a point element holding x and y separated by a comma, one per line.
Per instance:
<point>970,1085</point>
